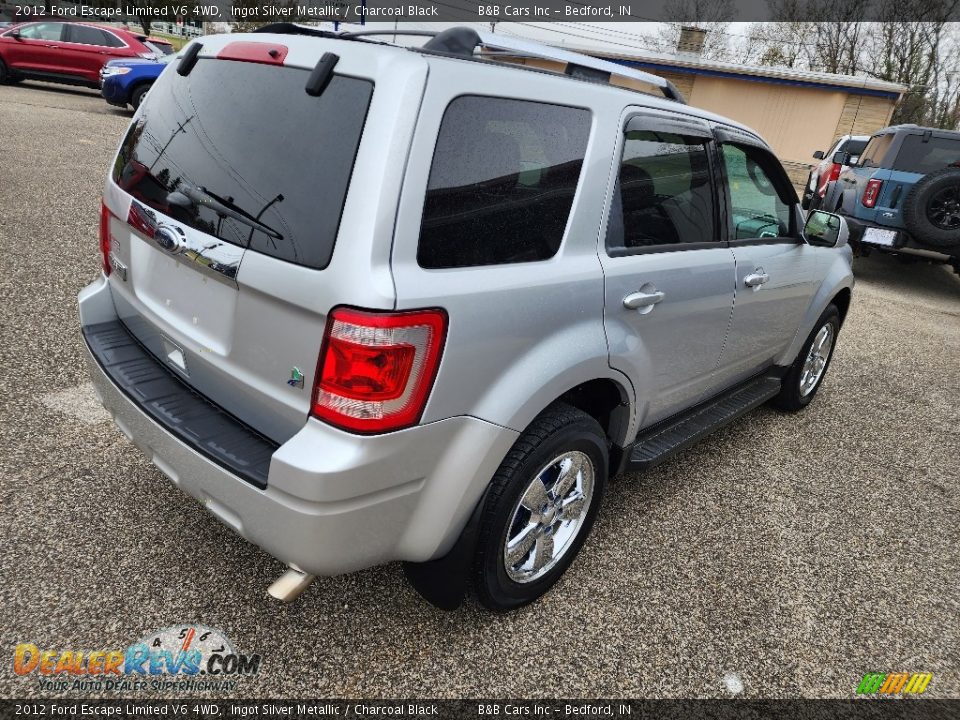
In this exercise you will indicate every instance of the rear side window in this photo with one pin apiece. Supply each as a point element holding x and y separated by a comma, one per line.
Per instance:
<point>240,151</point>
<point>112,40</point>
<point>502,182</point>
<point>663,194</point>
<point>926,157</point>
<point>87,35</point>
<point>877,147</point>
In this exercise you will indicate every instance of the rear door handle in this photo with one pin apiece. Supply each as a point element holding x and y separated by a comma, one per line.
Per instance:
<point>641,299</point>
<point>755,279</point>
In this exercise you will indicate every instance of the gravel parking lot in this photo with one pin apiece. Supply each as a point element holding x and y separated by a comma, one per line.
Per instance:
<point>785,556</point>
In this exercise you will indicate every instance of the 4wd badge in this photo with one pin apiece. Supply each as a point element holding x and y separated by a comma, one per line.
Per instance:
<point>296,378</point>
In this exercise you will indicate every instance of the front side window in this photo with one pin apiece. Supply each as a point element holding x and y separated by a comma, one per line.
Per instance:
<point>854,147</point>
<point>663,194</point>
<point>756,209</point>
<point>502,182</point>
<point>42,31</point>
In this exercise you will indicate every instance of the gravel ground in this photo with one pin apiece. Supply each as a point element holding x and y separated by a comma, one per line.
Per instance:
<point>787,555</point>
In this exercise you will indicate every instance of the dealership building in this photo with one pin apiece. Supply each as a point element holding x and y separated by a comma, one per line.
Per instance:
<point>796,111</point>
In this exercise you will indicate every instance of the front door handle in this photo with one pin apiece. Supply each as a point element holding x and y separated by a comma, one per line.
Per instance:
<point>755,279</point>
<point>642,299</point>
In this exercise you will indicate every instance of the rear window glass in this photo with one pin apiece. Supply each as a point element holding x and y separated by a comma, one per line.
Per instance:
<point>502,181</point>
<point>240,151</point>
<point>926,157</point>
<point>158,47</point>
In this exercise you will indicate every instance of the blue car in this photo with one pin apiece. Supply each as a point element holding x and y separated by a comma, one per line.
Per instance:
<point>125,82</point>
<point>903,193</point>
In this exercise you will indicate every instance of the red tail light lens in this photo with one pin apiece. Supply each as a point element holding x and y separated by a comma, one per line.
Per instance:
<point>871,193</point>
<point>376,369</point>
<point>105,216</point>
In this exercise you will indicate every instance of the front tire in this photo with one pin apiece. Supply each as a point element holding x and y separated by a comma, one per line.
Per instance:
<point>540,508</point>
<point>803,379</point>
<point>136,97</point>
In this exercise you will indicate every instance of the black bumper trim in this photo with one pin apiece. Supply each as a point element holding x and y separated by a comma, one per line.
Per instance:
<point>179,409</point>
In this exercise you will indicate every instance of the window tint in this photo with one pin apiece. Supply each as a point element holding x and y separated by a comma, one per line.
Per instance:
<point>270,173</point>
<point>663,194</point>
<point>87,35</point>
<point>756,209</point>
<point>42,31</point>
<point>502,182</point>
<point>926,157</point>
<point>111,40</point>
<point>159,48</point>
<point>877,147</point>
<point>854,147</point>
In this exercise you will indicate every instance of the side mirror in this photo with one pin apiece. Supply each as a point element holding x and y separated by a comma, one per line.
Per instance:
<point>826,229</point>
<point>841,158</point>
<point>818,155</point>
<point>15,33</point>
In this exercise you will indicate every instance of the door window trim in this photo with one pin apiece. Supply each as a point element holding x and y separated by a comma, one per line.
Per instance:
<point>678,124</point>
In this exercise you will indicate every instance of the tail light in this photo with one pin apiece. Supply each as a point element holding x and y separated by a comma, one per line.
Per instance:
<point>871,193</point>
<point>376,369</point>
<point>105,216</point>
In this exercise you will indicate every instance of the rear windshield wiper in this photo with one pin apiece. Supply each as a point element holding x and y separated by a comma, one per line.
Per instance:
<point>223,206</point>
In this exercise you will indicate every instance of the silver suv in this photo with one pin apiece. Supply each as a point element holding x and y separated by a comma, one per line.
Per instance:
<point>371,303</point>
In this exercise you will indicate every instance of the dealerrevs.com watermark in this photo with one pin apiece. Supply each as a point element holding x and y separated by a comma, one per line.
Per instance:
<point>187,658</point>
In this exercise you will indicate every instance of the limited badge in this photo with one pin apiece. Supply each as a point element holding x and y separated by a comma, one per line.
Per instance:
<point>296,378</point>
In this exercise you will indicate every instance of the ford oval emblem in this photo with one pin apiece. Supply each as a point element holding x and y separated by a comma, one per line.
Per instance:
<point>169,239</point>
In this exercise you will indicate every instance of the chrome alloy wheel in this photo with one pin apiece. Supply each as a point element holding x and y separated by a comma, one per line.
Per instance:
<point>548,516</point>
<point>816,361</point>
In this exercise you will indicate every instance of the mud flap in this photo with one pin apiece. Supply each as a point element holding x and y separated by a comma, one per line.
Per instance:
<point>443,582</point>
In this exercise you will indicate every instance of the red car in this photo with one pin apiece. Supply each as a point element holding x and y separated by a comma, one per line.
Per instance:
<point>67,52</point>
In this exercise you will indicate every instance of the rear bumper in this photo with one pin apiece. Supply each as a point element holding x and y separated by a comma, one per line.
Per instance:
<point>903,243</point>
<point>333,502</point>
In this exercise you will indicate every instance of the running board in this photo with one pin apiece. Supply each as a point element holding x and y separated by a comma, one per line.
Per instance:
<point>665,440</point>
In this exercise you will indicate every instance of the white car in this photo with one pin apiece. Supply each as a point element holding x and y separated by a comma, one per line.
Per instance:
<point>827,170</point>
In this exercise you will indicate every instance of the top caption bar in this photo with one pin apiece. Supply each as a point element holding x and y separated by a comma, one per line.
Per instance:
<point>467,11</point>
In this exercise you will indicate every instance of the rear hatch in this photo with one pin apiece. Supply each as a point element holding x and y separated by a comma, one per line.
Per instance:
<point>224,207</point>
<point>919,155</point>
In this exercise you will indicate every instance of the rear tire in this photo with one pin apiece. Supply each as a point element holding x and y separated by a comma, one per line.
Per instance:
<point>803,379</point>
<point>540,507</point>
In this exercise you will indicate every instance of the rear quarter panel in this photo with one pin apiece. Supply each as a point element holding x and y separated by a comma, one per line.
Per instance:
<point>520,335</point>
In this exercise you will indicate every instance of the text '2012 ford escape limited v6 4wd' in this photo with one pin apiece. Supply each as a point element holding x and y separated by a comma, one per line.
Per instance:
<point>372,303</point>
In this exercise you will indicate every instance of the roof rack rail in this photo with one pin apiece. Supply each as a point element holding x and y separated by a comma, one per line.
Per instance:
<point>464,41</point>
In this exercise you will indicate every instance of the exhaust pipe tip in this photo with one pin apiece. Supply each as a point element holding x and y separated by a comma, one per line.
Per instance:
<point>290,585</point>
